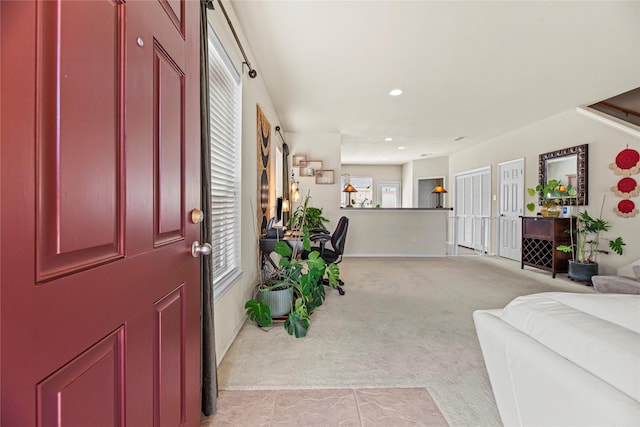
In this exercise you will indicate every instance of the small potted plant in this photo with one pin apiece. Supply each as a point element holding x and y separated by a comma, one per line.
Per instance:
<point>585,245</point>
<point>307,216</point>
<point>552,194</point>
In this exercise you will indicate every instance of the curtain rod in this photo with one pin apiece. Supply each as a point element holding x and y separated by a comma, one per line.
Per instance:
<point>278,130</point>
<point>252,73</point>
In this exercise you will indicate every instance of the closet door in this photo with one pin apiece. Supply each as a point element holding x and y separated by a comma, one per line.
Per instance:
<point>473,209</point>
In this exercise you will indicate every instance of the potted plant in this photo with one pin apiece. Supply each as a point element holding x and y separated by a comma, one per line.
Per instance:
<point>302,278</point>
<point>552,194</point>
<point>307,216</point>
<point>585,245</point>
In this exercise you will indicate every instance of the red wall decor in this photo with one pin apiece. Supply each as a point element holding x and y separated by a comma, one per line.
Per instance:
<point>626,208</point>
<point>627,163</point>
<point>626,188</point>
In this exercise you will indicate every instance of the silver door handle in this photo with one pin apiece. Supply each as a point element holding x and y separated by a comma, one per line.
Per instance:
<point>198,249</point>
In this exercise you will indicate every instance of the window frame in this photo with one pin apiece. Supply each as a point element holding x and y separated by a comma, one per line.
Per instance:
<point>225,125</point>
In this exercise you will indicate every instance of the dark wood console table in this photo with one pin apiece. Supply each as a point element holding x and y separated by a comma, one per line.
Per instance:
<point>540,237</point>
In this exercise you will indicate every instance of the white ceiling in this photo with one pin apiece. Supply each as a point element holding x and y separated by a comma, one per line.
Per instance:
<point>472,69</point>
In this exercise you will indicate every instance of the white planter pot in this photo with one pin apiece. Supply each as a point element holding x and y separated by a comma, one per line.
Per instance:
<point>279,301</point>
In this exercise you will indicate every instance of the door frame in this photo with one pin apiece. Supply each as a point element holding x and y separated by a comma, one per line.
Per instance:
<point>424,178</point>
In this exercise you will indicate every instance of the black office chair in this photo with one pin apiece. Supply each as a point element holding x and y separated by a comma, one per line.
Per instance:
<point>336,242</point>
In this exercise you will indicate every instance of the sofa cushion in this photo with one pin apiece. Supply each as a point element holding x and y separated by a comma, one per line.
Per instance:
<point>598,332</point>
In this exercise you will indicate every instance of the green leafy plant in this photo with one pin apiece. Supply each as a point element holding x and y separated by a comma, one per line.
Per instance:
<point>307,216</point>
<point>586,238</point>
<point>552,193</point>
<point>305,276</point>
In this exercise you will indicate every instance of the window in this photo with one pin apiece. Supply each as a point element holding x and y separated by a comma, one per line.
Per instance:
<point>364,195</point>
<point>225,116</point>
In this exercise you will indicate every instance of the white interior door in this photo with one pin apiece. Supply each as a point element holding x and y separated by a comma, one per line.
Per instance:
<point>511,203</point>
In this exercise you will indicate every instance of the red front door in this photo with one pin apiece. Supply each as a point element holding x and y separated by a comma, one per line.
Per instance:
<point>100,296</point>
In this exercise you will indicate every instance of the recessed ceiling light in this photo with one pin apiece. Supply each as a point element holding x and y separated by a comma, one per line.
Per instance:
<point>401,148</point>
<point>388,139</point>
<point>395,92</point>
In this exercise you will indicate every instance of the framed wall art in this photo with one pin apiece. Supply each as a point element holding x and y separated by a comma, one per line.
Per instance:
<point>309,167</point>
<point>264,168</point>
<point>298,158</point>
<point>324,176</point>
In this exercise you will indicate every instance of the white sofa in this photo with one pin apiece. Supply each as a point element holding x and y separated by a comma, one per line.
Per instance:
<point>623,283</point>
<point>563,359</point>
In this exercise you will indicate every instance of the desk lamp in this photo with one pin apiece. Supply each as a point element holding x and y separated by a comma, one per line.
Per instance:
<point>439,190</point>
<point>349,189</point>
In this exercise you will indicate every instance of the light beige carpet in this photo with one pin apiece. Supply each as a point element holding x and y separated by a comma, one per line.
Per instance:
<point>403,323</point>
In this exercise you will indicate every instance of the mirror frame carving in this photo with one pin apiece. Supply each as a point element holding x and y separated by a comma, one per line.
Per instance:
<point>582,160</point>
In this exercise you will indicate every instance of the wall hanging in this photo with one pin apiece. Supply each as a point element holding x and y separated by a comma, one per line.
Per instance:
<point>264,169</point>
<point>627,163</point>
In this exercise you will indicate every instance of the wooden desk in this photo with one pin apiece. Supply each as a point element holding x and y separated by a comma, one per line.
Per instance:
<point>268,245</point>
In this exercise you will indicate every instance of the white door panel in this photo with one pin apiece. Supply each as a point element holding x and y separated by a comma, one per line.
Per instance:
<point>511,208</point>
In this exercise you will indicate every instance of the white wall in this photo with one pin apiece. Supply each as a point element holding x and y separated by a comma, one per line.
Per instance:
<point>407,185</point>
<point>564,130</point>
<point>229,313</point>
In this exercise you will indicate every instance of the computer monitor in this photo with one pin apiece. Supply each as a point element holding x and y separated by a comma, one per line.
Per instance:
<point>279,209</point>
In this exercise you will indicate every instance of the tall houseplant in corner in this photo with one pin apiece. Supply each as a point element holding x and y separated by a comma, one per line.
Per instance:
<point>305,279</point>
<point>585,245</point>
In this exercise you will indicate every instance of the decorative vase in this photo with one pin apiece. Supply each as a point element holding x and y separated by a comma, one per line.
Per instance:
<point>582,271</point>
<point>278,300</point>
<point>551,209</point>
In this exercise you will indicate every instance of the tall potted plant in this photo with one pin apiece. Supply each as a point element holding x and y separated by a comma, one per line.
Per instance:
<point>303,277</point>
<point>585,245</point>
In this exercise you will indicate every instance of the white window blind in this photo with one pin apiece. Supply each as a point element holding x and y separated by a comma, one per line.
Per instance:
<point>225,118</point>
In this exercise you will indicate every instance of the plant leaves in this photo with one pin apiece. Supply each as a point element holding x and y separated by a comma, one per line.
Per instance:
<point>616,245</point>
<point>296,326</point>
<point>259,312</point>
<point>333,273</point>
<point>283,249</point>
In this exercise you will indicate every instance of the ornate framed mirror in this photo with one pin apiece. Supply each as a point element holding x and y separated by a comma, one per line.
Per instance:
<point>568,166</point>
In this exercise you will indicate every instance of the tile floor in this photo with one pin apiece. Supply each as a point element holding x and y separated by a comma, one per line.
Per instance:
<point>322,408</point>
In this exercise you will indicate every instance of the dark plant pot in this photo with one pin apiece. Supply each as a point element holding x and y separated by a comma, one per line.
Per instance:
<point>582,271</point>
<point>279,301</point>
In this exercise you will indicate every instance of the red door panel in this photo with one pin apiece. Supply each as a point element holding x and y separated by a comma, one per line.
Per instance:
<point>99,295</point>
<point>73,386</point>
<point>79,48</point>
<point>169,147</point>
<point>169,359</point>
